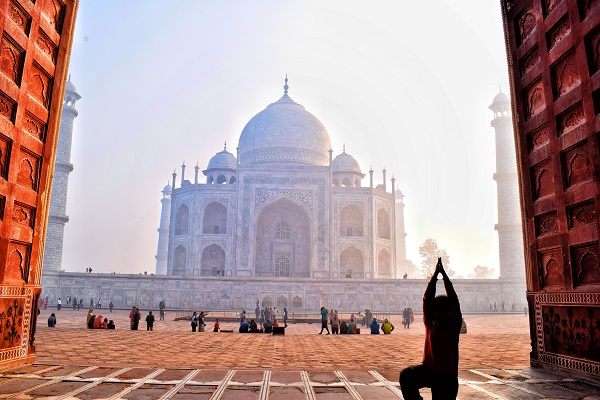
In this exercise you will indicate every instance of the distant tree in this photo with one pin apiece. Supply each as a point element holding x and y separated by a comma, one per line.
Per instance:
<point>483,272</point>
<point>429,253</point>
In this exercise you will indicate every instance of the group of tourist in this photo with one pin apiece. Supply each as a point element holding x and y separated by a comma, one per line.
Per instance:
<point>97,321</point>
<point>342,327</point>
<point>407,317</point>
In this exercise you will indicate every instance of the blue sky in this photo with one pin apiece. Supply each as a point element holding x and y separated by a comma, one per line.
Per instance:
<point>403,85</point>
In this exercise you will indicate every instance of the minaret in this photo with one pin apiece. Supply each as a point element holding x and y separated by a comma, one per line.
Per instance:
<point>510,234</point>
<point>163,232</point>
<point>63,167</point>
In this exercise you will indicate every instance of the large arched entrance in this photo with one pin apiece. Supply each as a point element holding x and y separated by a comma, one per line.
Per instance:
<point>283,240</point>
<point>213,261</point>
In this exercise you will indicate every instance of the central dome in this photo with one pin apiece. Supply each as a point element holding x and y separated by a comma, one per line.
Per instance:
<point>284,133</point>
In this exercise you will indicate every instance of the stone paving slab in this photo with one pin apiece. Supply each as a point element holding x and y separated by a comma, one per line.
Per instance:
<point>172,362</point>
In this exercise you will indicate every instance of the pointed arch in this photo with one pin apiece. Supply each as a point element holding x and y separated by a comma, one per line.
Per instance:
<point>179,260</point>
<point>215,219</point>
<point>212,261</point>
<point>384,263</point>
<point>383,224</point>
<point>351,221</point>
<point>352,263</point>
<point>182,220</point>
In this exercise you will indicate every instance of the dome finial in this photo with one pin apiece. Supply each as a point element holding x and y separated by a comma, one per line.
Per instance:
<point>285,87</point>
<point>344,148</point>
<point>225,146</point>
<point>500,87</point>
<point>69,77</point>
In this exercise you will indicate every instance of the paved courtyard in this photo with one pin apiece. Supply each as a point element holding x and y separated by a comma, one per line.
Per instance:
<point>172,362</point>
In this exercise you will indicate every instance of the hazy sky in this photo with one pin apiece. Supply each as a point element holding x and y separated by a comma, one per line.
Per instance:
<point>404,85</point>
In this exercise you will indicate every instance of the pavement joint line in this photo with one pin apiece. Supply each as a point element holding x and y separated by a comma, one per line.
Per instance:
<point>310,392</point>
<point>51,368</point>
<point>387,384</point>
<point>355,395</point>
<point>223,385</point>
<point>92,384</point>
<point>504,382</point>
<point>50,382</point>
<point>264,389</point>
<point>178,386</point>
<point>136,385</point>
<point>480,389</point>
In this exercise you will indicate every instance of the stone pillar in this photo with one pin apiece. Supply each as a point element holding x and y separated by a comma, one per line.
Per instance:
<point>163,232</point>
<point>57,217</point>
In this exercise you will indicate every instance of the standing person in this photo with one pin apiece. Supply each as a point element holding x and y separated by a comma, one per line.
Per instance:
<point>59,304</point>
<point>68,300</point>
<point>217,327</point>
<point>161,307</point>
<point>149,321</point>
<point>285,317</point>
<point>443,319</point>
<point>52,321</point>
<point>257,311</point>
<point>335,323</point>
<point>80,304</point>
<point>92,302</point>
<point>131,314</point>
<point>201,323</point>
<point>136,319</point>
<point>194,322</point>
<point>74,303</point>
<point>110,306</point>
<point>324,318</point>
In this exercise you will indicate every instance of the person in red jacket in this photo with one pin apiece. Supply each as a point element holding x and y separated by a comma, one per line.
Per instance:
<point>439,370</point>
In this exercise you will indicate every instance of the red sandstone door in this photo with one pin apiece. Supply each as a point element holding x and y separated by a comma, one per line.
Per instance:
<point>36,43</point>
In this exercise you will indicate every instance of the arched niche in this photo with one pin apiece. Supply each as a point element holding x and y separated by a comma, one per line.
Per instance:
<point>283,228</point>
<point>212,261</point>
<point>215,219</point>
<point>383,224</point>
<point>384,263</point>
<point>351,221</point>
<point>182,220</point>
<point>352,263</point>
<point>179,260</point>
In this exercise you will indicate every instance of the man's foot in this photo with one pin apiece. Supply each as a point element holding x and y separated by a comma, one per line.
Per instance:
<point>320,333</point>
<point>328,333</point>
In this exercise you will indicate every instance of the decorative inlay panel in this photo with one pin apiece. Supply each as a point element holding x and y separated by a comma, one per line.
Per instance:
<point>564,75</point>
<point>40,85</point>
<point>529,60</point>
<point>534,99</point>
<point>5,145</point>
<point>570,119</point>
<point>46,46</point>
<point>263,196</point>
<point>542,180</point>
<point>2,207</point>
<point>12,322</point>
<point>343,245</point>
<point>576,165</point>
<point>585,6</point>
<point>11,59</point>
<point>581,214</point>
<point>538,138</point>
<point>222,200</point>
<point>19,16</point>
<point>550,268</point>
<point>525,23</point>
<point>8,107</point>
<point>29,167</point>
<point>546,223</point>
<point>34,126</point>
<point>592,47</point>
<point>358,203</point>
<point>222,243</point>
<point>558,32</point>
<point>53,12</point>
<point>24,214</point>
<point>550,5</point>
<point>17,267</point>
<point>586,264</point>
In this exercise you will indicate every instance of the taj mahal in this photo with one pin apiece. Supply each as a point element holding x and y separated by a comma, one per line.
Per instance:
<point>286,223</point>
<point>283,206</point>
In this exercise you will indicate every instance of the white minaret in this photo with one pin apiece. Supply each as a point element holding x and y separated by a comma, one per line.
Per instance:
<point>510,234</point>
<point>163,232</point>
<point>400,234</point>
<point>63,167</point>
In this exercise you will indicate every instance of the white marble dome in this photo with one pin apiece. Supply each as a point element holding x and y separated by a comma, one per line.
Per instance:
<point>345,163</point>
<point>284,133</point>
<point>222,160</point>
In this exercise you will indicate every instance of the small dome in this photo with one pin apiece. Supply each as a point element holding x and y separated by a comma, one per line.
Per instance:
<point>167,189</point>
<point>222,160</point>
<point>70,87</point>
<point>501,101</point>
<point>345,163</point>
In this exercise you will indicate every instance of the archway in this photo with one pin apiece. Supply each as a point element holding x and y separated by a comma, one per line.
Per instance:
<point>212,261</point>
<point>384,263</point>
<point>383,224</point>
<point>351,263</point>
<point>215,219</point>
<point>351,221</point>
<point>179,260</point>
<point>283,240</point>
<point>182,219</point>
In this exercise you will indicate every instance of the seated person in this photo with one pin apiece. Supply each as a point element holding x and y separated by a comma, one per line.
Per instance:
<point>343,328</point>
<point>110,325</point>
<point>387,327</point>
<point>253,327</point>
<point>52,321</point>
<point>275,323</point>
<point>97,322</point>
<point>268,328</point>
<point>352,328</point>
<point>105,323</point>
<point>374,327</point>
<point>217,327</point>
<point>244,327</point>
